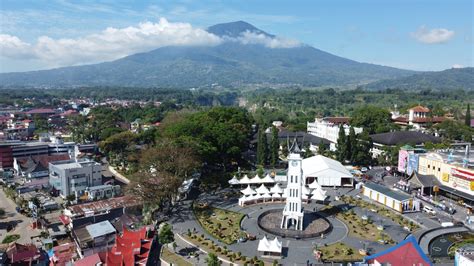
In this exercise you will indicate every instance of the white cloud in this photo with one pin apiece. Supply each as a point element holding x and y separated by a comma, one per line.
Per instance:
<point>248,37</point>
<point>432,36</point>
<point>457,66</point>
<point>110,44</point>
<point>114,43</point>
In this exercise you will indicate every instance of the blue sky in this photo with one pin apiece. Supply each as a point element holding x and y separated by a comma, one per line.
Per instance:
<point>411,34</point>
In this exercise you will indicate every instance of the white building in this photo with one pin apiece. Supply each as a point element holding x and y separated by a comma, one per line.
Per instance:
<point>293,212</point>
<point>328,128</point>
<point>73,177</point>
<point>326,171</point>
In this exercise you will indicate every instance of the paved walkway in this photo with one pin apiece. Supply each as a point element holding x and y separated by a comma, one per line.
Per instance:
<point>428,237</point>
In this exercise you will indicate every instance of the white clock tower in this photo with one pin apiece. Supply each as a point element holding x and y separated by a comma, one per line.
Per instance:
<point>293,211</point>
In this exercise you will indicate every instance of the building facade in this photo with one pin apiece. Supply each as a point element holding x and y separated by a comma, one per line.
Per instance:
<point>73,177</point>
<point>328,128</point>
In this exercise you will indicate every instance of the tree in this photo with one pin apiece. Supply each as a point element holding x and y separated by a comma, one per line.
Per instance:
<point>261,147</point>
<point>274,147</point>
<point>162,170</point>
<point>363,155</point>
<point>341,145</point>
<point>351,145</point>
<point>454,130</point>
<point>212,260</point>
<point>467,119</point>
<point>322,148</point>
<point>373,119</point>
<point>166,235</point>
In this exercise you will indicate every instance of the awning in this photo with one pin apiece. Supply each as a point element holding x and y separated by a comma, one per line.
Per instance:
<point>255,180</point>
<point>318,194</point>
<point>234,181</point>
<point>456,192</point>
<point>276,189</point>
<point>267,179</point>
<point>314,185</point>
<point>244,180</point>
<point>262,189</point>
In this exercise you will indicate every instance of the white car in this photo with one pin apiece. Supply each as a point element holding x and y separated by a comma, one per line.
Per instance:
<point>429,210</point>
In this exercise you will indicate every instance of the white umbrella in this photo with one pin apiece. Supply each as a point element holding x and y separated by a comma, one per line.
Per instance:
<point>262,189</point>
<point>248,191</point>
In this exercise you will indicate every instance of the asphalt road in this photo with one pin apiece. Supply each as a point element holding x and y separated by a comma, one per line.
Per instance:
<point>22,222</point>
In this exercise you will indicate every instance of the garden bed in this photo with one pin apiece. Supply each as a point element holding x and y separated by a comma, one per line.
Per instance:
<point>359,228</point>
<point>10,238</point>
<point>382,211</point>
<point>222,224</point>
<point>339,252</point>
<point>171,257</point>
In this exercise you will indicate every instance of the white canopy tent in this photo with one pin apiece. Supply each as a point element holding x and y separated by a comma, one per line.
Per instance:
<point>315,185</point>
<point>305,190</point>
<point>262,189</point>
<point>328,172</point>
<point>234,181</point>
<point>276,189</point>
<point>270,247</point>
<point>244,180</point>
<point>267,179</point>
<point>319,194</point>
<point>255,180</point>
<point>248,191</point>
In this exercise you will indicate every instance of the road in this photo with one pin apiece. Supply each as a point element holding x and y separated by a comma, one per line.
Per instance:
<point>22,222</point>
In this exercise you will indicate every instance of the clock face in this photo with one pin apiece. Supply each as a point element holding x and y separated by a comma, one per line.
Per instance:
<point>294,163</point>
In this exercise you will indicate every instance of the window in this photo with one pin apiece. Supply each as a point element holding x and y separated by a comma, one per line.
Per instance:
<point>439,169</point>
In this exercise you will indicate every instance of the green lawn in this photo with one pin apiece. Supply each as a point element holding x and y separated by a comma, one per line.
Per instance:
<point>171,257</point>
<point>222,224</point>
<point>466,238</point>
<point>340,252</point>
<point>10,238</point>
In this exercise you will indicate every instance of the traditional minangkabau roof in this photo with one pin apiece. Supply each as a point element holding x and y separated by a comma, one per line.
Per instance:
<point>418,180</point>
<point>407,252</point>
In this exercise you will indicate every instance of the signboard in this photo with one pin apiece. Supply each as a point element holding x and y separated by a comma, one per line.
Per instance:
<point>472,186</point>
<point>413,160</point>
<point>463,174</point>
<point>445,177</point>
<point>402,160</point>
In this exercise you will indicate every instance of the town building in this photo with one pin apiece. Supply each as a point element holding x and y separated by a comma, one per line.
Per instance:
<point>407,252</point>
<point>397,201</point>
<point>73,177</point>
<point>383,141</point>
<point>418,117</point>
<point>408,158</point>
<point>326,171</point>
<point>453,169</point>
<point>36,166</point>
<point>328,128</point>
<point>94,238</point>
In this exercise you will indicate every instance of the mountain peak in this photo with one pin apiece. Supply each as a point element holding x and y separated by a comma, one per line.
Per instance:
<point>234,29</point>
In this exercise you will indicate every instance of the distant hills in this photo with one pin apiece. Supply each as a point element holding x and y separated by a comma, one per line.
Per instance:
<point>232,63</point>
<point>450,79</point>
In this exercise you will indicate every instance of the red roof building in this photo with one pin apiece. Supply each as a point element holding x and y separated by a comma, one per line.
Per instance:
<point>63,255</point>
<point>19,254</point>
<point>407,252</point>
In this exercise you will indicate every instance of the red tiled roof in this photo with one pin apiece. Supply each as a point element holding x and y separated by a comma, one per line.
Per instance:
<point>420,109</point>
<point>338,120</point>
<point>89,260</point>
<point>63,254</point>
<point>41,111</point>
<point>18,253</point>
<point>64,219</point>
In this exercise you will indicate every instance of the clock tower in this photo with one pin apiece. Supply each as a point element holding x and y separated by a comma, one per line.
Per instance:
<point>293,211</point>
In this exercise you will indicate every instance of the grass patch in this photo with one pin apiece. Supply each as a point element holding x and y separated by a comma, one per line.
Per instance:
<point>222,224</point>
<point>467,238</point>
<point>171,257</point>
<point>382,211</point>
<point>359,228</point>
<point>339,252</point>
<point>10,238</point>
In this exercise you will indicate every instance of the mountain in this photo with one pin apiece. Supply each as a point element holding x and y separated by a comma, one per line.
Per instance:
<point>231,63</point>
<point>450,79</point>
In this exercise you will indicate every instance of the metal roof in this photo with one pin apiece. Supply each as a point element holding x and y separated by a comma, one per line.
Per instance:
<point>100,229</point>
<point>387,192</point>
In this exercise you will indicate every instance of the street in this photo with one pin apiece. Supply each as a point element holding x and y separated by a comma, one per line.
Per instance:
<point>22,222</point>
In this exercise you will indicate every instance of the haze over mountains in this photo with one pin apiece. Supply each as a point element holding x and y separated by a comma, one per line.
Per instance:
<point>245,56</point>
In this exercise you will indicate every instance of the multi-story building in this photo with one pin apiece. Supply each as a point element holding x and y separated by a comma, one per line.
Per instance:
<point>328,128</point>
<point>453,170</point>
<point>73,177</point>
<point>418,117</point>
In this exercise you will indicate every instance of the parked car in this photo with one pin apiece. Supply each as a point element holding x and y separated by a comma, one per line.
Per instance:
<point>429,210</point>
<point>364,169</point>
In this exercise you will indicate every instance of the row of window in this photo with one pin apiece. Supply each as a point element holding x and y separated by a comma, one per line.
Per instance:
<point>293,207</point>
<point>293,192</point>
<point>293,179</point>
<point>434,168</point>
